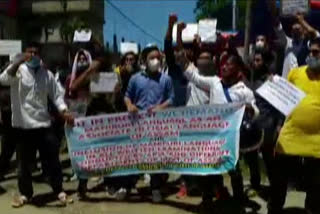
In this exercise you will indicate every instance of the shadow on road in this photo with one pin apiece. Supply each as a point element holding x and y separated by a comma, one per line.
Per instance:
<point>295,210</point>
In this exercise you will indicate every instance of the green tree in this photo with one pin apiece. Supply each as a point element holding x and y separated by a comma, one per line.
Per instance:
<point>222,10</point>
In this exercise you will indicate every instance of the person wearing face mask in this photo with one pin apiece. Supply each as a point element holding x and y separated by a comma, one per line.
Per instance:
<point>261,44</point>
<point>151,90</point>
<point>300,137</point>
<point>228,88</point>
<point>31,84</point>
<point>295,48</point>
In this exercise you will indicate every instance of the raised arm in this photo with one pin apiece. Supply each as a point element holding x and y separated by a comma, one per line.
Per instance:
<point>313,33</point>
<point>85,76</point>
<point>168,49</point>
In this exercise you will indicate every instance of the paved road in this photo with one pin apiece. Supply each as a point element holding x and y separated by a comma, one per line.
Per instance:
<point>100,203</point>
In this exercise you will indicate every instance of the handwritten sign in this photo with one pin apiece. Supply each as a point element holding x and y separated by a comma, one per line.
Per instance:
<point>103,82</point>
<point>292,7</point>
<point>187,34</point>
<point>208,30</point>
<point>10,48</point>
<point>126,47</point>
<point>197,140</point>
<point>283,95</point>
<point>82,36</point>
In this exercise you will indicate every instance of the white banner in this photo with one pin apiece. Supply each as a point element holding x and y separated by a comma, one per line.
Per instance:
<point>280,93</point>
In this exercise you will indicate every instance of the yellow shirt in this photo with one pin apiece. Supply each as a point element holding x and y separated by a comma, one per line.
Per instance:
<point>300,134</point>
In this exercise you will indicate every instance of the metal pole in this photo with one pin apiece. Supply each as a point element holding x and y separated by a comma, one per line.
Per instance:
<point>234,6</point>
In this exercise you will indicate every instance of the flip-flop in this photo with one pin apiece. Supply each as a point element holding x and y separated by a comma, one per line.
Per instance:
<point>19,201</point>
<point>64,199</point>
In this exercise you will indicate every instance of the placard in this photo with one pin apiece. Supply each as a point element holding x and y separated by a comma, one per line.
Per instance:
<point>292,7</point>
<point>187,34</point>
<point>10,47</point>
<point>207,30</point>
<point>280,93</point>
<point>103,82</point>
<point>82,36</point>
<point>126,47</point>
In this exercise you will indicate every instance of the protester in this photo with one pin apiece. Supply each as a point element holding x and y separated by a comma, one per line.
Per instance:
<point>227,89</point>
<point>174,61</point>
<point>268,120</point>
<point>128,67</point>
<point>8,139</point>
<point>150,90</point>
<point>78,91</point>
<point>31,84</point>
<point>296,47</point>
<point>299,137</point>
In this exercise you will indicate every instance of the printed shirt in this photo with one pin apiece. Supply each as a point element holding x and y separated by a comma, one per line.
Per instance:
<point>300,134</point>
<point>146,92</point>
<point>29,92</point>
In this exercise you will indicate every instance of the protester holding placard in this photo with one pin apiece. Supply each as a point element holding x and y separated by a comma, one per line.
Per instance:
<point>150,90</point>
<point>229,88</point>
<point>267,121</point>
<point>300,137</point>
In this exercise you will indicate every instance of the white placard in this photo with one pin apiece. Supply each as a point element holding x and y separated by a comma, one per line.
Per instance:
<point>187,34</point>
<point>10,47</point>
<point>292,7</point>
<point>207,30</point>
<point>82,36</point>
<point>126,47</point>
<point>103,82</point>
<point>280,93</point>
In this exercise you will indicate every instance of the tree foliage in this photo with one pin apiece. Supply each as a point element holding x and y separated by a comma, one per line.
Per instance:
<point>222,10</point>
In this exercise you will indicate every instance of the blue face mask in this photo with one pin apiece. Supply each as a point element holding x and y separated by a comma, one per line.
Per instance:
<point>34,63</point>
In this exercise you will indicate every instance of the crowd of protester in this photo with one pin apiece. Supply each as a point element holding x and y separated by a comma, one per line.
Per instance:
<point>34,100</point>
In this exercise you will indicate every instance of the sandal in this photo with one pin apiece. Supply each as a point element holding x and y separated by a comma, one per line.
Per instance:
<point>19,201</point>
<point>64,199</point>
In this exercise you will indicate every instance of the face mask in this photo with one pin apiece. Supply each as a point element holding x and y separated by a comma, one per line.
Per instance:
<point>34,63</point>
<point>154,65</point>
<point>313,63</point>
<point>82,66</point>
<point>260,44</point>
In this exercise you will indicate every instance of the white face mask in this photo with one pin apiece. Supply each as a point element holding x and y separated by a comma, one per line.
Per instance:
<point>154,65</point>
<point>260,44</point>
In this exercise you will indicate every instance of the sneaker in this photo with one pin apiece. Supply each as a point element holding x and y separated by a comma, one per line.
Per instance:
<point>74,178</point>
<point>19,201</point>
<point>121,194</point>
<point>251,193</point>
<point>156,196</point>
<point>146,178</point>
<point>182,192</point>
<point>64,199</point>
